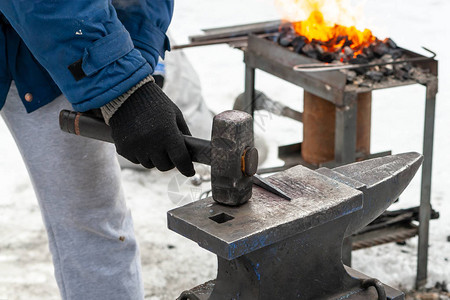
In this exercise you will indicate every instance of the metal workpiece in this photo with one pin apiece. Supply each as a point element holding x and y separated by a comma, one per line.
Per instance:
<point>260,181</point>
<point>270,248</point>
<point>232,135</point>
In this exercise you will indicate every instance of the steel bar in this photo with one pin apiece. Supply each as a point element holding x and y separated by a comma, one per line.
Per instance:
<point>274,169</point>
<point>236,31</point>
<point>260,181</point>
<point>210,42</point>
<point>242,27</point>
<point>425,197</point>
<point>220,41</point>
<point>325,67</point>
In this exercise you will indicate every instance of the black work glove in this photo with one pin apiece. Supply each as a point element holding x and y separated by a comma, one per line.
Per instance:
<point>148,129</point>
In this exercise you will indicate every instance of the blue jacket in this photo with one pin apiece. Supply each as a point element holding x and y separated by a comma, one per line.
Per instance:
<point>91,50</point>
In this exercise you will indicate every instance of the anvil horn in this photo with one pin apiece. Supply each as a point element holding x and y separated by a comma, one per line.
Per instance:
<point>381,180</point>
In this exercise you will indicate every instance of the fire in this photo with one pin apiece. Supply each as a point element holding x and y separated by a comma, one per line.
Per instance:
<point>334,37</point>
<point>322,23</point>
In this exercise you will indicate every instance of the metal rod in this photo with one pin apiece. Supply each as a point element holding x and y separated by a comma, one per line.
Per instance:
<point>319,67</point>
<point>237,30</point>
<point>262,182</point>
<point>221,41</point>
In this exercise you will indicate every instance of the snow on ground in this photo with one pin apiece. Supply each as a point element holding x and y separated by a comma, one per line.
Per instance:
<point>172,263</point>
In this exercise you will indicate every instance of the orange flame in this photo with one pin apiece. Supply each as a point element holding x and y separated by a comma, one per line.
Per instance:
<point>315,28</point>
<point>322,23</point>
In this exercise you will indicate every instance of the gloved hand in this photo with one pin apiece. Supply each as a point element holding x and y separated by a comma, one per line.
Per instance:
<point>148,129</point>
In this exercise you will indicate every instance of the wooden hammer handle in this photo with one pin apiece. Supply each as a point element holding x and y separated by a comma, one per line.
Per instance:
<point>87,125</point>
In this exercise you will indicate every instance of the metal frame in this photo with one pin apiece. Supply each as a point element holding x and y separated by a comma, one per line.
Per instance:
<point>269,57</point>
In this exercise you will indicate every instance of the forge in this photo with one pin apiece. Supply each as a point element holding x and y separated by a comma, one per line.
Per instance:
<point>328,93</point>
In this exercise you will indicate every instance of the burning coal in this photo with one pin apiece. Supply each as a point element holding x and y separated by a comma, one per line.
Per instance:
<point>325,40</point>
<point>330,38</point>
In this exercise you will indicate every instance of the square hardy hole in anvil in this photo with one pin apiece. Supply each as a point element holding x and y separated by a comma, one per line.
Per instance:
<point>266,218</point>
<point>221,218</point>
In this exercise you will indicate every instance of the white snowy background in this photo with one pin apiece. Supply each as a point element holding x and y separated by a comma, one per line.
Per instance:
<point>172,263</point>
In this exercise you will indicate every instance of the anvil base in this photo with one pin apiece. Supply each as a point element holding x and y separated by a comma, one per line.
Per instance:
<point>204,291</point>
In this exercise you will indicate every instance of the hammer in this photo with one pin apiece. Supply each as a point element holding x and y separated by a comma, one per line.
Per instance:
<point>230,153</point>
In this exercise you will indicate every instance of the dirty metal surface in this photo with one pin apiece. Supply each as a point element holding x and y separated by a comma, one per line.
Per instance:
<point>232,134</point>
<point>266,218</point>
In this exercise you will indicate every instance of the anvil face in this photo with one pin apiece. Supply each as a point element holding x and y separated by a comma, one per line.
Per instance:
<point>266,219</point>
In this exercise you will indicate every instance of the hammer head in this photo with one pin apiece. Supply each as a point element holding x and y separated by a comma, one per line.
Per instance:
<point>231,149</point>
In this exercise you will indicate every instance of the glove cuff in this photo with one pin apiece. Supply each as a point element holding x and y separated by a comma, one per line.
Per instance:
<point>110,108</point>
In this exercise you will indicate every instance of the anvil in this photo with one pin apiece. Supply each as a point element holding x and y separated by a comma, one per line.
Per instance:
<point>270,248</point>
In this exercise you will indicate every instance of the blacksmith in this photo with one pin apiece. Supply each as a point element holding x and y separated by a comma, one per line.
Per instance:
<point>89,55</point>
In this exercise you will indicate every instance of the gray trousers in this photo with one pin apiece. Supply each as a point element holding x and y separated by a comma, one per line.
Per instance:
<point>77,184</point>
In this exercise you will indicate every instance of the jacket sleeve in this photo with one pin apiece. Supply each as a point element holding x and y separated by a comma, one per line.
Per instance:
<point>147,22</point>
<point>82,44</point>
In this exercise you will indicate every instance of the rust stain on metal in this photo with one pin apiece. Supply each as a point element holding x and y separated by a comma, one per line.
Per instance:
<point>77,124</point>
